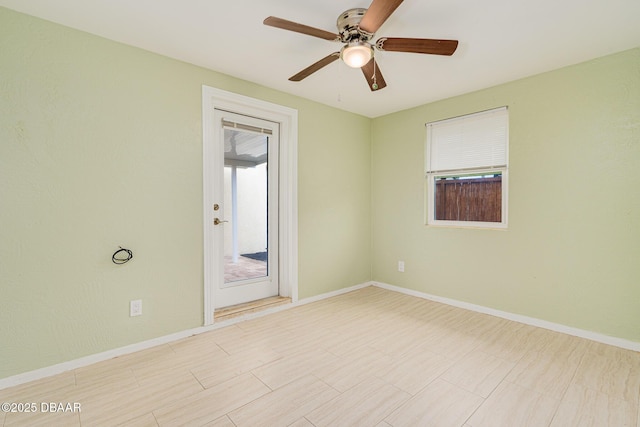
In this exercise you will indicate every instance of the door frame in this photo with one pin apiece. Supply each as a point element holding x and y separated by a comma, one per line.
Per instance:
<point>287,118</point>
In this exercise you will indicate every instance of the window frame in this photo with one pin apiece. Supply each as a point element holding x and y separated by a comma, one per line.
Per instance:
<point>431,177</point>
<point>431,196</point>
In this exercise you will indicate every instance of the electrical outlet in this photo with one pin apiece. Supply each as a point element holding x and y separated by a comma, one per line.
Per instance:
<point>401,266</point>
<point>135,308</point>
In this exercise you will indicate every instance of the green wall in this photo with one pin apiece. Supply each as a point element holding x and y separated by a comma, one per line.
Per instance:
<point>100,146</point>
<point>571,254</point>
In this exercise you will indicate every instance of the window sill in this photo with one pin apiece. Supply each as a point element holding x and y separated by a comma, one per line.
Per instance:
<point>469,225</point>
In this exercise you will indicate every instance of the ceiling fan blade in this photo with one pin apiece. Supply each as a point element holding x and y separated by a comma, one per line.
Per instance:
<point>315,67</point>
<point>430,46</point>
<point>272,21</point>
<point>369,70</point>
<point>377,13</point>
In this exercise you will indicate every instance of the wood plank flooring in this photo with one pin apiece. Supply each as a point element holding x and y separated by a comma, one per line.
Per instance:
<point>371,357</point>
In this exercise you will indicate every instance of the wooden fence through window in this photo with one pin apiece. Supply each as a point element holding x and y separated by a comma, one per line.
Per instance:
<point>477,199</point>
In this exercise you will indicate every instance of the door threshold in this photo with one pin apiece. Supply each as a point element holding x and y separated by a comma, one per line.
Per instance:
<point>230,312</point>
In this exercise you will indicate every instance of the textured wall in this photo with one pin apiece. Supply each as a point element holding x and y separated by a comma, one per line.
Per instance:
<point>570,254</point>
<point>100,146</point>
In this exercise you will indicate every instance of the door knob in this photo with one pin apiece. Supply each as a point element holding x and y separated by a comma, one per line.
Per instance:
<point>216,221</point>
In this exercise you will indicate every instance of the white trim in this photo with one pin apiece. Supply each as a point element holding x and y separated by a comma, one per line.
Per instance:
<point>110,354</point>
<point>213,99</point>
<point>431,209</point>
<point>95,358</point>
<point>532,321</point>
<point>334,293</point>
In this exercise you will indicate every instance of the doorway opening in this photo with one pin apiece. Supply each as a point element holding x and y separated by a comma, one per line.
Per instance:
<point>250,201</point>
<point>246,208</point>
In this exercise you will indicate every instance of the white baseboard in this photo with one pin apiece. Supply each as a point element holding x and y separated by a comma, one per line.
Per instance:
<point>110,354</point>
<point>557,327</point>
<point>334,293</point>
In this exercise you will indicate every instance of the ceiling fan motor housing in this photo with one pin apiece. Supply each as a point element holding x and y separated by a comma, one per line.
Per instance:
<point>348,26</point>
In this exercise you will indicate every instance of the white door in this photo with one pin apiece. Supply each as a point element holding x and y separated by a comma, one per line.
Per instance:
<point>245,209</point>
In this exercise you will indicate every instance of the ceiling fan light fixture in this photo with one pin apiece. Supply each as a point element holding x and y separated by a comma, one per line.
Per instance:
<point>356,54</point>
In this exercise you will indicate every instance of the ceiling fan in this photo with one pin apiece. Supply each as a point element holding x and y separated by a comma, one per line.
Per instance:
<point>356,27</point>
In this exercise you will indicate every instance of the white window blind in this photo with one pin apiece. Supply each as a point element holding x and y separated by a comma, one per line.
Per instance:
<point>469,142</point>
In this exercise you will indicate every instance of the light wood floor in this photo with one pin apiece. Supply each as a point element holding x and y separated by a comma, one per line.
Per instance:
<point>367,358</point>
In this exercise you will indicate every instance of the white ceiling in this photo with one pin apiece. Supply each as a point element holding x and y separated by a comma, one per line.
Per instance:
<point>500,41</point>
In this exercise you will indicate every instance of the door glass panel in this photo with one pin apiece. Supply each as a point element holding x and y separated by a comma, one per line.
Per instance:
<point>246,182</point>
